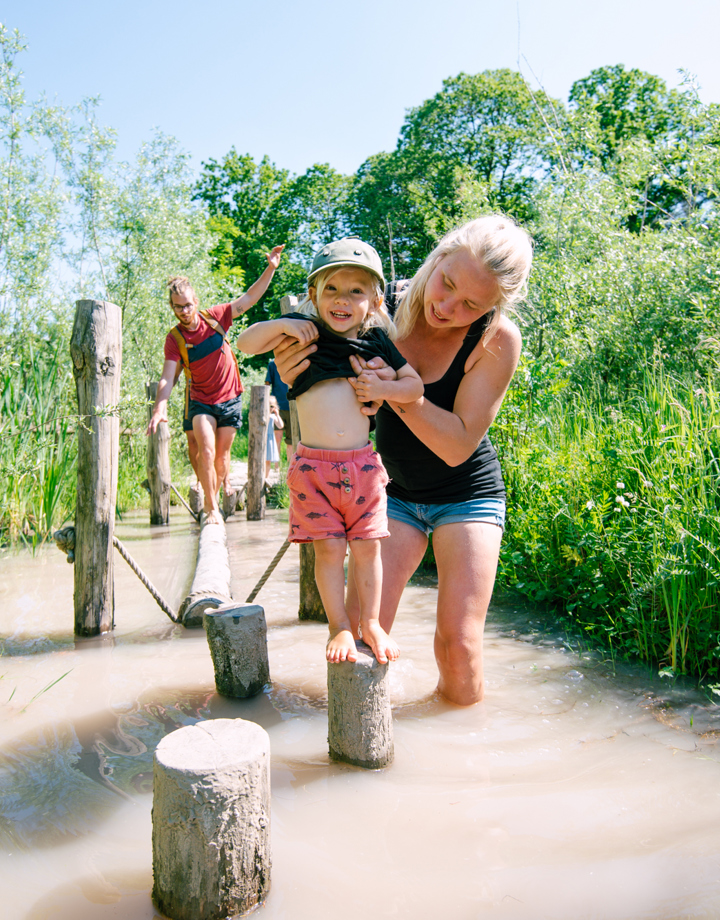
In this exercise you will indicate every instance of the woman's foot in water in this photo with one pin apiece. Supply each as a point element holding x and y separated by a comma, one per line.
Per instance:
<point>341,647</point>
<point>383,647</point>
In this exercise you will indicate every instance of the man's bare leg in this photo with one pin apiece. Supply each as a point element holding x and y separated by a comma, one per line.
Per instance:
<point>204,428</point>
<point>224,438</point>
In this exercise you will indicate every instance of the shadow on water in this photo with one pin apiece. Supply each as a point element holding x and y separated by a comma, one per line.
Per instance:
<point>63,780</point>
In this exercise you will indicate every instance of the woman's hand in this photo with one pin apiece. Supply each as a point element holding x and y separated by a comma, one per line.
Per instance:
<point>377,364</point>
<point>291,358</point>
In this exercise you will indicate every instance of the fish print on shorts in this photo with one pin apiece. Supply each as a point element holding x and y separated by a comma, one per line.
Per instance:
<point>305,468</point>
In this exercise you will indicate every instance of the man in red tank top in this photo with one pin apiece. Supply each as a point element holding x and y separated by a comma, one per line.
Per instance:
<point>198,344</point>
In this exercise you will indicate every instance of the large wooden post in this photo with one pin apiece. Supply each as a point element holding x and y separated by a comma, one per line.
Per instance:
<point>158,465</point>
<point>311,606</point>
<point>258,420</point>
<point>96,351</point>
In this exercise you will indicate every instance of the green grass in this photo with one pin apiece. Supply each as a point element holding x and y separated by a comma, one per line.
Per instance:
<point>614,521</point>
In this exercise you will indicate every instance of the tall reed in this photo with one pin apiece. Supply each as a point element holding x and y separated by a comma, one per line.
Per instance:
<point>614,519</point>
<point>37,445</point>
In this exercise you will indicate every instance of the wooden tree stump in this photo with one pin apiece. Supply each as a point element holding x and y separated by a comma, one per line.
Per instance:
<point>96,351</point>
<point>237,636</point>
<point>210,586</point>
<point>211,820</point>
<point>158,465</point>
<point>196,499</point>
<point>258,420</point>
<point>311,605</point>
<point>360,730</point>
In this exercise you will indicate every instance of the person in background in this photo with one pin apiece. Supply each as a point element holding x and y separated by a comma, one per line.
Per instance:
<point>279,390</point>
<point>275,424</point>
<point>199,343</point>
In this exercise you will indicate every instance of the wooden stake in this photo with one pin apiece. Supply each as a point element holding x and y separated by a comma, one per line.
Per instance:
<point>96,351</point>
<point>158,465</point>
<point>259,418</point>
<point>311,606</point>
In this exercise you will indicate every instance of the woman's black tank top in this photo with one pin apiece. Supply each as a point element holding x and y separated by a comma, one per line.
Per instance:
<point>417,474</point>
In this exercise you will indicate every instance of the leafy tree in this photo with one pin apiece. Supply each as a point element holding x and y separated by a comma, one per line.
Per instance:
<point>31,201</point>
<point>246,204</point>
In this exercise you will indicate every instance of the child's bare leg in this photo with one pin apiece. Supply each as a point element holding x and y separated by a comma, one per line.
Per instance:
<point>368,581</point>
<point>330,578</point>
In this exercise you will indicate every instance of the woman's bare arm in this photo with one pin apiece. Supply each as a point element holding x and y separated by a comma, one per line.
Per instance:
<point>453,436</point>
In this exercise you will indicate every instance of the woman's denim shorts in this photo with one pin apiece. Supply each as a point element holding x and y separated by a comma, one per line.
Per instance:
<point>428,517</point>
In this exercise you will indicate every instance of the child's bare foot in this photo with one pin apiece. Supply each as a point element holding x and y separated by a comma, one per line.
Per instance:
<point>384,648</point>
<point>214,517</point>
<point>341,647</point>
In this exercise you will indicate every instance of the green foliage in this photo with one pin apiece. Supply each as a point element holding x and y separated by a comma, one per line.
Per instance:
<point>615,519</point>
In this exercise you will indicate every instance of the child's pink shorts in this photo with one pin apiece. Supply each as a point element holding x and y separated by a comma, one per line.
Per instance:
<point>337,493</point>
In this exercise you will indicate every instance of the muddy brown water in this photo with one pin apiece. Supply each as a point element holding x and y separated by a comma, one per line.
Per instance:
<point>574,791</point>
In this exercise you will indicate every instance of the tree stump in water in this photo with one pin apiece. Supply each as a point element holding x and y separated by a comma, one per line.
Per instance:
<point>237,636</point>
<point>158,465</point>
<point>211,820</point>
<point>96,351</point>
<point>311,605</point>
<point>210,587</point>
<point>360,730</point>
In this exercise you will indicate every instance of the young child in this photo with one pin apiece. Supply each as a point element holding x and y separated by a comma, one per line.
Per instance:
<point>272,454</point>
<point>336,480</point>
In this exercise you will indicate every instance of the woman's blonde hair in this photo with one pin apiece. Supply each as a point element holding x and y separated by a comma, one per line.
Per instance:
<point>498,243</point>
<point>379,316</point>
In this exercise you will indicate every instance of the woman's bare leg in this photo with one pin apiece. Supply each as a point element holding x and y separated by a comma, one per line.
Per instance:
<point>330,580</point>
<point>368,577</point>
<point>401,554</point>
<point>466,555</point>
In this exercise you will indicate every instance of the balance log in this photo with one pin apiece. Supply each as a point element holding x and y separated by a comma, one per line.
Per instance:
<point>237,636</point>
<point>210,587</point>
<point>211,820</point>
<point>360,730</point>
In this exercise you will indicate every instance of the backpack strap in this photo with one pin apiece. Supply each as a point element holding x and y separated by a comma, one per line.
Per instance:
<point>213,323</point>
<point>182,348</point>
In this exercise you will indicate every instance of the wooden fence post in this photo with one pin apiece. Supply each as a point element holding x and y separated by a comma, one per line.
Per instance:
<point>311,606</point>
<point>158,465</point>
<point>258,420</point>
<point>96,351</point>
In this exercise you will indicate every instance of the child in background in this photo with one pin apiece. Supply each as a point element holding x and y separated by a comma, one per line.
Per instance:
<point>273,454</point>
<point>336,480</point>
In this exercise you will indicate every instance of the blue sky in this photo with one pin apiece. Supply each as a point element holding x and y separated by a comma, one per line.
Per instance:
<point>326,81</point>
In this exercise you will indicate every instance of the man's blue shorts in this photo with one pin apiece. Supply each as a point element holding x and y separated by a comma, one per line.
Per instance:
<point>226,414</point>
<point>427,517</point>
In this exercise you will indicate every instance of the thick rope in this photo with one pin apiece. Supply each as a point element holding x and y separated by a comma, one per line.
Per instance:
<point>196,517</point>
<point>268,572</point>
<point>143,578</point>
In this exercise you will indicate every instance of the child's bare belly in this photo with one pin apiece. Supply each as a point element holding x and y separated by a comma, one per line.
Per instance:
<point>330,417</point>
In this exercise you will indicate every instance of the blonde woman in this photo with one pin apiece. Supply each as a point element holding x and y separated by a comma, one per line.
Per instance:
<point>444,472</point>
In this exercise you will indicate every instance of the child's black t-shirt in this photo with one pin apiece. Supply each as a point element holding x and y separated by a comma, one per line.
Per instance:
<point>332,358</point>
